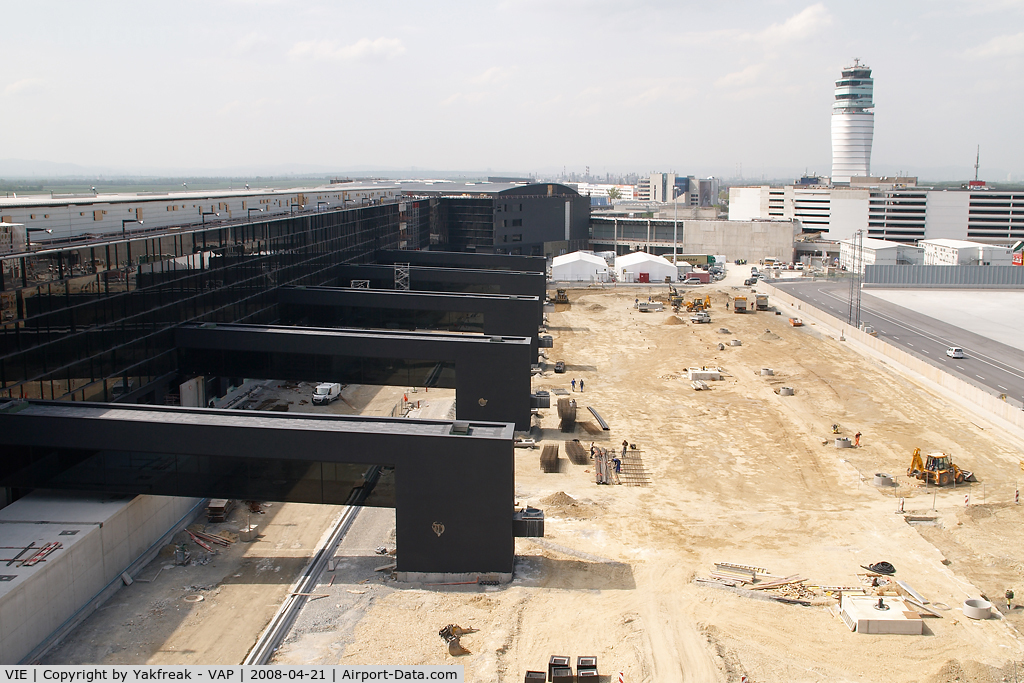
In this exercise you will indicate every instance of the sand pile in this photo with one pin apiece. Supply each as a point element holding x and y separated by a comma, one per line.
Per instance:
<point>673,320</point>
<point>769,336</point>
<point>595,307</point>
<point>560,498</point>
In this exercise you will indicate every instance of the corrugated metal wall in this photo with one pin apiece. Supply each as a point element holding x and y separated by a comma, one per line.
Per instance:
<point>982,277</point>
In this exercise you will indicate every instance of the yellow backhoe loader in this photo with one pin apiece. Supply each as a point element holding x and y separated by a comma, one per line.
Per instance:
<point>938,469</point>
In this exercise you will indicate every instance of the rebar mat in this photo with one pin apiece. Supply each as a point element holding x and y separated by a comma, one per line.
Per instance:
<point>577,454</point>
<point>633,472</point>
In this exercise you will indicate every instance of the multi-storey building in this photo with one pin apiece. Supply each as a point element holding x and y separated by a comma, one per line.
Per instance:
<point>892,210</point>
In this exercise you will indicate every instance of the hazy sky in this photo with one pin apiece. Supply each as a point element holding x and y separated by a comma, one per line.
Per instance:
<point>520,85</point>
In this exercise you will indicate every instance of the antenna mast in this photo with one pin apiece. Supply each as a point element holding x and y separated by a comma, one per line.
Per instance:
<point>977,159</point>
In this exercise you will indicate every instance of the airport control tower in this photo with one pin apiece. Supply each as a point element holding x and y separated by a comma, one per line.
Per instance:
<point>853,125</point>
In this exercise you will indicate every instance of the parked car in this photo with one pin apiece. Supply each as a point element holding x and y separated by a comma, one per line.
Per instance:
<point>955,352</point>
<point>693,281</point>
<point>325,393</point>
<point>560,366</point>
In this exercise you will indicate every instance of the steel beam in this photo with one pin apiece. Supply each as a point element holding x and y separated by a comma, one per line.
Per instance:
<point>491,375</point>
<point>454,493</point>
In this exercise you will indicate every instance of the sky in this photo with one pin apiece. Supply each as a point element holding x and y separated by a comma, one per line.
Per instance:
<point>514,86</point>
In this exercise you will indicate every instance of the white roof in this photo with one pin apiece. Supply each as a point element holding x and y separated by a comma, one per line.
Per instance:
<point>954,244</point>
<point>577,256</point>
<point>638,257</point>
<point>877,245</point>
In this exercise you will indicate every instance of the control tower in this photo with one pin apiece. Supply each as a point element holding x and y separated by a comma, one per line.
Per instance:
<point>853,125</point>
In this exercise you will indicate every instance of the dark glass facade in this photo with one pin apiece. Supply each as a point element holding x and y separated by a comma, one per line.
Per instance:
<point>92,320</point>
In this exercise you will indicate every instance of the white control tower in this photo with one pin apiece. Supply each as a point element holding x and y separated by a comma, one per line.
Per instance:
<point>853,126</point>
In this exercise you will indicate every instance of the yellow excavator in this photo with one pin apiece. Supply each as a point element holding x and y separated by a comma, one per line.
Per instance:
<point>699,304</point>
<point>937,469</point>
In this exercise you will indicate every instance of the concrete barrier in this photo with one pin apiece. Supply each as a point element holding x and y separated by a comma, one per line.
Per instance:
<point>982,400</point>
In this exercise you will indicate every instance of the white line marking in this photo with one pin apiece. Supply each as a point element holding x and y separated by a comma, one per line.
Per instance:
<point>1002,387</point>
<point>961,367</point>
<point>979,377</point>
<point>924,351</point>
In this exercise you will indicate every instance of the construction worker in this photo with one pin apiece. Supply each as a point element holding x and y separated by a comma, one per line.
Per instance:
<point>573,383</point>
<point>856,439</point>
<point>625,444</point>
<point>1009,599</point>
<point>581,385</point>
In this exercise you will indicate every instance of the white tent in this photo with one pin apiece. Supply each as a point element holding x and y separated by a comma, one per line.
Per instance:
<point>629,267</point>
<point>579,266</point>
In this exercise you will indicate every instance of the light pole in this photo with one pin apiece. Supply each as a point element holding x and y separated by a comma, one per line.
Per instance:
<point>126,221</point>
<point>250,213</point>
<point>207,213</point>
<point>318,205</point>
<point>301,206</point>
<point>675,227</point>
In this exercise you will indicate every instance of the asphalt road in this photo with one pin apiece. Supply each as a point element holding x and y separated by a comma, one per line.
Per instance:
<point>988,364</point>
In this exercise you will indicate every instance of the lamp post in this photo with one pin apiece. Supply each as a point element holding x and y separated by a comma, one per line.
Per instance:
<point>318,205</point>
<point>301,206</point>
<point>675,227</point>
<point>250,213</point>
<point>126,221</point>
<point>207,213</point>
<point>28,236</point>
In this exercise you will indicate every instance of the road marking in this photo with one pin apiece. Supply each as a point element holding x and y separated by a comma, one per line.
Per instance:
<point>924,351</point>
<point>895,337</point>
<point>979,377</point>
<point>961,367</point>
<point>1002,387</point>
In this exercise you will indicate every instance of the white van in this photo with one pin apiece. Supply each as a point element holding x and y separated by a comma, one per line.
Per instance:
<point>325,393</point>
<point>955,352</point>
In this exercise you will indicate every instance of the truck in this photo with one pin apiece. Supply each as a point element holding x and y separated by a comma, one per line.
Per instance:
<point>326,392</point>
<point>761,300</point>
<point>700,317</point>
<point>739,304</point>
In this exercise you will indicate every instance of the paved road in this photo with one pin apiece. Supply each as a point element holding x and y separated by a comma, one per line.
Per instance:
<point>989,364</point>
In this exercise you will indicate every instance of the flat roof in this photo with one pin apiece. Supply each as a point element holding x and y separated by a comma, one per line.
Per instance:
<point>205,417</point>
<point>428,335</point>
<point>121,197</point>
<point>955,244</point>
<point>414,292</point>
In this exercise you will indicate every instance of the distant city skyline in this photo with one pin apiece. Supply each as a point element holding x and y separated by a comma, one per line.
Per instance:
<point>519,86</point>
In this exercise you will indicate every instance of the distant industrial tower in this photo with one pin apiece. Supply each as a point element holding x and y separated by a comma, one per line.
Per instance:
<point>852,125</point>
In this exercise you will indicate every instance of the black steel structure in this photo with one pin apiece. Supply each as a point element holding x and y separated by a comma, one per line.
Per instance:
<point>455,259</point>
<point>93,319</point>
<point>489,314</point>
<point>465,280</point>
<point>452,492</point>
<point>491,375</point>
<point>534,219</point>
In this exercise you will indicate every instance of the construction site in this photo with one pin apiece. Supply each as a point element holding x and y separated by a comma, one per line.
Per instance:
<point>743,500</point>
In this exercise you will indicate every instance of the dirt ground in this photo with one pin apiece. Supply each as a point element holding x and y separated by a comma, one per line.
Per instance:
<point>738,474</point>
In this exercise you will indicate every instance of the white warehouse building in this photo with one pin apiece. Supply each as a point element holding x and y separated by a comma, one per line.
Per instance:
<point>942,252</point>
<point>877,253</point>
